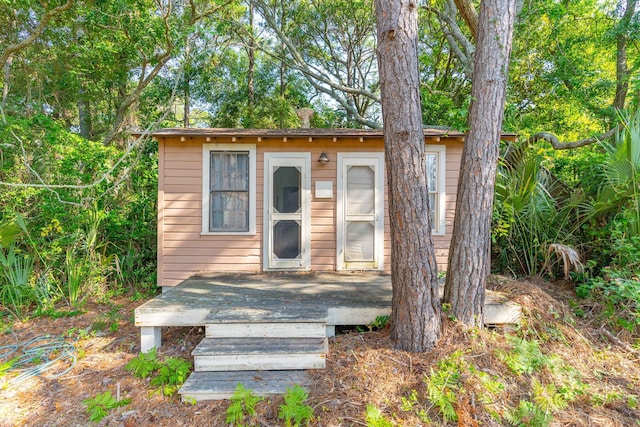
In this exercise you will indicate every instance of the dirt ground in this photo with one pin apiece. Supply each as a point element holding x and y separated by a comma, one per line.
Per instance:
<point>362,369</point>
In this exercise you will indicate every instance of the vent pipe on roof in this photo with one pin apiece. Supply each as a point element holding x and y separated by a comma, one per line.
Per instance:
<point>305,115</point>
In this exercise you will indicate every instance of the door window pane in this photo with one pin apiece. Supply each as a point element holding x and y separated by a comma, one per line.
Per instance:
<point>360,190</point>
<point>287,239</point>
<point>286,189</point>
<point>360,241</point>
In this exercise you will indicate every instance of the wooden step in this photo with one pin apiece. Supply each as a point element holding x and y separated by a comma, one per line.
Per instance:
<point>239,354</point>
<point>266,330</point>
<point>221,385</point>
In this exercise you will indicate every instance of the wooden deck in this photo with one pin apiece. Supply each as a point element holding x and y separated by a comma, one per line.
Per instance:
<point>266,330</point>
<point>335,298</point>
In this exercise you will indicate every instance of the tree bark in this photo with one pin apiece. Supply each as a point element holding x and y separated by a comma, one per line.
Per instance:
<point>251,52</point>
<point>6,84</point>
<point>84,112</point>
<point>469,259</point>
<point>469,14</point>
<point>622,69</point>
<point>416,311</point>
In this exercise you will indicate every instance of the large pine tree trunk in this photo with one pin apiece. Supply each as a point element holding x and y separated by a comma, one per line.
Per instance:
<point>415,318</point>
<point>469,258</point>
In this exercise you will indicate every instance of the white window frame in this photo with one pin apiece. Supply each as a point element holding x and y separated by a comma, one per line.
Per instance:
<point>438,229</point>
<point>206,176</point>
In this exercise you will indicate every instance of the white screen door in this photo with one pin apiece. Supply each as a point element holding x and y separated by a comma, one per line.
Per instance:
<point>360,211</point>
<point>287,211</point>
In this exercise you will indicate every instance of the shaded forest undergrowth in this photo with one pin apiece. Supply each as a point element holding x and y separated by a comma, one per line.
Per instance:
<point>561,366</point>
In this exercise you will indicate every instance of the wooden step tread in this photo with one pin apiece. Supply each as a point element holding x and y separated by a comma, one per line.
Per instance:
<point>266,329</point>
<point>221,385</point>
<point>267,310</point>
<point>229,346</point>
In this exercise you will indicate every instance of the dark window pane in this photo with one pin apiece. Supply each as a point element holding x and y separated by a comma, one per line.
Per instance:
<point>286,189</point>
<point>287,239</point>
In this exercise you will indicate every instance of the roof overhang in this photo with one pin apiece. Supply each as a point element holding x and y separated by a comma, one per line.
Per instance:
<point>334,133</point>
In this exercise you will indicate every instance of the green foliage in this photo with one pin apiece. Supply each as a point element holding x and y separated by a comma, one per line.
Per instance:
<point>294,412</point>
<point>561,80</point>
<point>375,418</point>
<point>9,231</point>
<point>528,414</point>
<point>620,189</point>
<point>525,356</point>
<point>613,278</point>
<point>532,212</point>
<point>87,235</point>
<point>412,404</point>
<point>443,384</point>
<point>243,407</point>
<point>144,364</point>
<point>547,397</point>
<point>171,374</point>
<point>16,291</point>
<point>618,294</point>
<point>99,406</point>
<point>380,323</point>
<point>7,365</point>
<point>168,374</point>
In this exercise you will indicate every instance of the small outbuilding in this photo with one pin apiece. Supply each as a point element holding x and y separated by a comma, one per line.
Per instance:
<point>248,200</point>
<point>236,206</point>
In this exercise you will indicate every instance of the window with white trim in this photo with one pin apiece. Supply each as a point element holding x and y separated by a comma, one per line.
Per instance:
<point>228,189</point>
<point>436,173</point>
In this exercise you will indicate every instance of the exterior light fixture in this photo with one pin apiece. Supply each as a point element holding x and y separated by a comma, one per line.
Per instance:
<point>323,159</point>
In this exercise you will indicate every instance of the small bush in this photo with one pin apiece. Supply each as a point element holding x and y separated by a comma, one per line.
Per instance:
<point>99,406</point>
<point>243,406</point>
<point>294,412</point>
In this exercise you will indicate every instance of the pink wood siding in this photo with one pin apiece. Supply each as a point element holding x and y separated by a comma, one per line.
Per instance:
<point>183,251</point>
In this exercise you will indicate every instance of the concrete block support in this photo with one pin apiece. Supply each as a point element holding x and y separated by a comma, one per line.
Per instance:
<point>150,337</point>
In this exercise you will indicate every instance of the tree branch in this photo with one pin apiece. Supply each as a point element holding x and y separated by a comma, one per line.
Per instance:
<point>556,144</point>
<point>12,48</point>
<point>462,48</point>
<point>144,80</point>
<point>316,77</point>
<point>469,14</point>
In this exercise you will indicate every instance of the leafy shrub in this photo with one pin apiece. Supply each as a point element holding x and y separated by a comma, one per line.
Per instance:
<point>443,384</point>
<point>525,356</point>
<point>171,374</point>
<point>243,406</point>
<point>294,412</point>
<point>93,229</point>
<point>99,406</point>
<point>375,418</point>
<point>168,374</point>
<point>144,364</point>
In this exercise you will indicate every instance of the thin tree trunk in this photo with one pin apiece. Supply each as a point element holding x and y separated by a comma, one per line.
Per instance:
<point>416,314</point>
<point>6,81</point>
<point>252,61</point>
<point>469,259</point>
<point>186,112</point>
<point>186,108</point>
<point>622,69</point>
<point>84,113</point>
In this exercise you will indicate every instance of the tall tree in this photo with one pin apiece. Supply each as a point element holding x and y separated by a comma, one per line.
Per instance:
<point>415,316</point>
<point>469,258</point>
<point>331,44</point>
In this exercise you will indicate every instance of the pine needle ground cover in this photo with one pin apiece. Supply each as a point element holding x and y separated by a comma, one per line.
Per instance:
<point>559,367</point>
